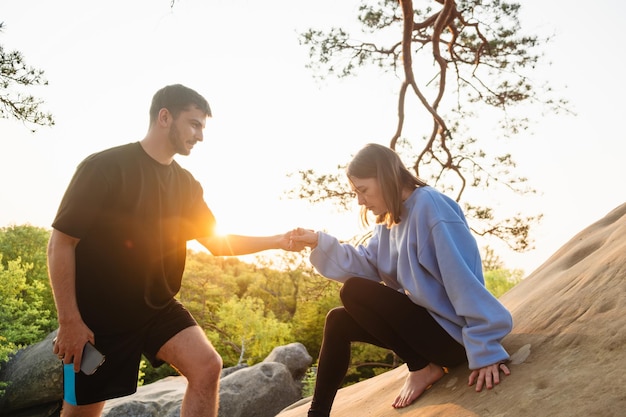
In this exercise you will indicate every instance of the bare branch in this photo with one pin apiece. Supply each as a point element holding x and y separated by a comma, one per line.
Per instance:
<point>478,55</point>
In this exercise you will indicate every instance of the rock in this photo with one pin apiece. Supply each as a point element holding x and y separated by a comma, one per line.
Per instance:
<point>294,356</point>
<point>261,390</point>
<point>162,398</point>
<point>232,369</point>
<point>35,379</point>
<point>568,344</point>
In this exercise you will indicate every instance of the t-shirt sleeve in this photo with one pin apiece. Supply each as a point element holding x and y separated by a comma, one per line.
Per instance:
<point>201,221</point>
<point>83,200</point>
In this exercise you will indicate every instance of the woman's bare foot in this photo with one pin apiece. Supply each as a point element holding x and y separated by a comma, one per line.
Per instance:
<point>416,383</point>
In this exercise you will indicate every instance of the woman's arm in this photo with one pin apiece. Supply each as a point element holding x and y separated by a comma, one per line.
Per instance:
<point>336,260</point>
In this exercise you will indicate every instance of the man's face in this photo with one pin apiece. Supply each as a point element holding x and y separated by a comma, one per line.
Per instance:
<point>186,130</point>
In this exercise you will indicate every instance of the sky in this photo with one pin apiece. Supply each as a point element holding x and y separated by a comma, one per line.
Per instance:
<point>271,117</point>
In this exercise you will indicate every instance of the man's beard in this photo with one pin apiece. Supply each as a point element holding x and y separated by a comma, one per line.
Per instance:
<point>177,144</point>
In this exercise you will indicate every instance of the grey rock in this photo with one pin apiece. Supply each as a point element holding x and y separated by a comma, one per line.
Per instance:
<point>35,378</point>
<point>294,356</point>
<point>161,398</point>
<point>262,390</point>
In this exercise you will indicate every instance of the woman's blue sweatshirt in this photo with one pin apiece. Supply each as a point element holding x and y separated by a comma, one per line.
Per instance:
<point>432,257</point>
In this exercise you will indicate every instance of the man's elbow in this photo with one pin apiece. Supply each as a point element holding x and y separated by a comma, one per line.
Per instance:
<point>214,245</point>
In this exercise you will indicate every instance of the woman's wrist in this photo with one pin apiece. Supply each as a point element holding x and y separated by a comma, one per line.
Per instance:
<point>316,241</point>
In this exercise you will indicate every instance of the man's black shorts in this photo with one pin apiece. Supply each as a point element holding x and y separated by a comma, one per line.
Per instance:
<point>118,374</point>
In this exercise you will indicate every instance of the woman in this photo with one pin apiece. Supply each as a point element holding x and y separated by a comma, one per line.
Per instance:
<point>433,310</point>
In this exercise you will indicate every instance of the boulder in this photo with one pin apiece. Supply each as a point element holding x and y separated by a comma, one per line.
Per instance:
<point>294,356</point>
<point>162,398</point>
<point>35,378</point>
<point>262,390</point>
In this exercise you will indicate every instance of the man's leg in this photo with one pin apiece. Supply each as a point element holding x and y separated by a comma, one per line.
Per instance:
<point>191,353</point>
<point>91,410</point>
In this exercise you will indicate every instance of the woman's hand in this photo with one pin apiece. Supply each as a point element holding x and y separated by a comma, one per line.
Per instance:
<point>301,238</point>
<point>488,376</point>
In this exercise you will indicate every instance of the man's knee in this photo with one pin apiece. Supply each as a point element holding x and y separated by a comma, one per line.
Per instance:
<point>204,365</point>
<point>188,347</point>
<point>213,363</point>
<point>206,373</point>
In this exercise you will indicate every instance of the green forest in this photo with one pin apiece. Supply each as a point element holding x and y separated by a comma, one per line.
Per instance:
<point>245,309</point>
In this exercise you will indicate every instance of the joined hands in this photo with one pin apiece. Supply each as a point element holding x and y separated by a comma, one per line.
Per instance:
<point>302,238</point>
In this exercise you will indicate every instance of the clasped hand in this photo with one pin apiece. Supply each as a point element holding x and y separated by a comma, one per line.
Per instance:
<point>301,238</point>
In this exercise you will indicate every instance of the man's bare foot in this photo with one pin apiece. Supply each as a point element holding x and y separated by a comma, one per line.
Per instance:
<point>416,383</point>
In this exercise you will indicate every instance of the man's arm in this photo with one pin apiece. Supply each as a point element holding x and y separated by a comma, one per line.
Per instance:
<point>73,332</point>
<point>231,245</point>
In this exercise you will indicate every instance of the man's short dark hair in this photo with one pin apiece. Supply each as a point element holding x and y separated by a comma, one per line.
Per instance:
<point>177,98</point>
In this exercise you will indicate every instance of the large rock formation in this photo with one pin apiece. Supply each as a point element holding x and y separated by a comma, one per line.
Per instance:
<point>261,390</point>
<point>568,344</point>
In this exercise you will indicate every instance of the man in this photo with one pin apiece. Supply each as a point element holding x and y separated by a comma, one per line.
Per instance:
<point>116,257</point>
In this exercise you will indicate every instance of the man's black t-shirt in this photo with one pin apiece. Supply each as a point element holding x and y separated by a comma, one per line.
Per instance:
<point>133,217</point>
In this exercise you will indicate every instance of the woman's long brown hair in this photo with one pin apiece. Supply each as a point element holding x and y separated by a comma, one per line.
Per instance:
<point>384,164</point>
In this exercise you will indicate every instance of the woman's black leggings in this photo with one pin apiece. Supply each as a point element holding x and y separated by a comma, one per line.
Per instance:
<point>376,314</point>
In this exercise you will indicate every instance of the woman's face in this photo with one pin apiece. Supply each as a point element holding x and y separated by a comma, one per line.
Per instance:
<point>369,194</point>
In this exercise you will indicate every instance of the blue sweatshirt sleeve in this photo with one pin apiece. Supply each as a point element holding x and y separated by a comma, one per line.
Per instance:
<point>340,261</point>
<point>456,261</point>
